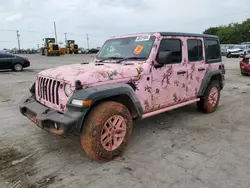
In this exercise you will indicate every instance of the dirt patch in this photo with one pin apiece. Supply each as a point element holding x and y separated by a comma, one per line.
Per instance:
<point>17,169</point>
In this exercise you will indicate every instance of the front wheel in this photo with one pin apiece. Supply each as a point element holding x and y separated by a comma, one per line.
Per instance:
<point>209,102</point>
<point>229,55</point>
<point>107,131</point>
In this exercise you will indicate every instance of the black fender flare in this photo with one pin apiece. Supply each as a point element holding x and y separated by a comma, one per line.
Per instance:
<point>104,92</point>
<point>211,75</point>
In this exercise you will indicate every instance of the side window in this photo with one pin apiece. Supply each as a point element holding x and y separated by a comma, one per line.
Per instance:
<point>212,48</point>
<point>5,56</point>
<point>173,45</point>
<point>194,50</point>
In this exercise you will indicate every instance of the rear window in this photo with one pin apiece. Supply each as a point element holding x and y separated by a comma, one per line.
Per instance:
<point>213,52</point>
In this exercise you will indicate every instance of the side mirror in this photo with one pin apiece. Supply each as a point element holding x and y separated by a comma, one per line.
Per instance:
<point>164,57</point>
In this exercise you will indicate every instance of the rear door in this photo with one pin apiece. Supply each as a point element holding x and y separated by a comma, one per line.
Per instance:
<point>196,65</point>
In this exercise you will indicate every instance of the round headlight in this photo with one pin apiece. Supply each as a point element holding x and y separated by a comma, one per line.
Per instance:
<point>67,90</point>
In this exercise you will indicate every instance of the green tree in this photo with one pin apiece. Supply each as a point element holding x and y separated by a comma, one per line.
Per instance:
<point>233,33</point>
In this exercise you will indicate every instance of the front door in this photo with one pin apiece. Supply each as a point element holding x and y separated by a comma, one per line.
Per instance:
<point>169,82</point>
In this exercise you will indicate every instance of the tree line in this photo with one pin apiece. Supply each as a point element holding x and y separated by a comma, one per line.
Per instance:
<point>233,33</point>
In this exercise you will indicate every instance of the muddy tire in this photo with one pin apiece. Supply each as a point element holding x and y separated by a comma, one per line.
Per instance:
<point>209,102</point>
<point>106,131</point>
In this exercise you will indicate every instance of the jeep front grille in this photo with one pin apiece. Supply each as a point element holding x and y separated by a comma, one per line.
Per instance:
<point>48,90</point>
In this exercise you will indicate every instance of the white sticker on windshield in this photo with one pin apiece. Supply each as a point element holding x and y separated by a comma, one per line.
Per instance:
<point>142,38</point>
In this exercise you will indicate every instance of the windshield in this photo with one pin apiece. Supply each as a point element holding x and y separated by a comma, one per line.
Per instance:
<point>129,47</point>
<point>238,47</point>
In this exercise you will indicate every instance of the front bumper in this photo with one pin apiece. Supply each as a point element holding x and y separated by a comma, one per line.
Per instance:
<point>237,53</point>
<point>244,70</point>
<point>51,120</point>
<point>54,52</point>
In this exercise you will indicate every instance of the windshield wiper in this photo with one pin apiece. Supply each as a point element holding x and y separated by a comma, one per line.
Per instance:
<point>127,58</point>
<point>109,58</point>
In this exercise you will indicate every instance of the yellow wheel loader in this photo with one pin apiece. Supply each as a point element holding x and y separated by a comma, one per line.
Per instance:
<point>50,47</point>
<point>71,47</point>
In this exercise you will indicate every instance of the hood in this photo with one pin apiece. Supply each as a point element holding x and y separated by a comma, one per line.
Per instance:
<point>92,73</point>
<point>234,50</point>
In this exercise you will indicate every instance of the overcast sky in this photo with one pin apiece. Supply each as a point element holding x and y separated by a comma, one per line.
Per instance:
<point>104,18</point>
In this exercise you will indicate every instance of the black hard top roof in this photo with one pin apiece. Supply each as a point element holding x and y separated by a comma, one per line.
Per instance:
<point>187,34</point>
<point>179,34</point>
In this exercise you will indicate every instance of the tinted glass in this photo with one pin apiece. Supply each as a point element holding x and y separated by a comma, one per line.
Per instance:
<point>173,45</point>
<point>5,56</point>
<point>212,50</point>
<point>194,50</point>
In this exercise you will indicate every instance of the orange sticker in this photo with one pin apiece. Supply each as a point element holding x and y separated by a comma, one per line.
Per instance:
<point>138,49</point>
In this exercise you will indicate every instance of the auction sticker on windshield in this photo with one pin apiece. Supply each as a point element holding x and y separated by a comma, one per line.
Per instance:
<point>138,49</point>
<point>142,38</point>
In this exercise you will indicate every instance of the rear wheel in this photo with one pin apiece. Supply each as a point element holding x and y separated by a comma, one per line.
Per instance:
<point>106,131</point>
<point>17,67</point>
<point>209,102</point>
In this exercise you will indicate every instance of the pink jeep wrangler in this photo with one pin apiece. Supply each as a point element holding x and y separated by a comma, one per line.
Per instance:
<point>133,77</point>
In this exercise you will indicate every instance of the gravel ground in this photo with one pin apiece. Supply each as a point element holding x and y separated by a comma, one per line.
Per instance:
<point>182,148</point>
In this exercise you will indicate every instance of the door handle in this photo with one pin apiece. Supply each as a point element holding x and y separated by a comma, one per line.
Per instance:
<point>182,72</point>
<point>201,69</point>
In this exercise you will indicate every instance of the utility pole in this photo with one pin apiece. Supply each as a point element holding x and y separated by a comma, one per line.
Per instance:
<point>88,41</point>
<point>18,39</point>
<point>55,31</point>
<point>65,37</point>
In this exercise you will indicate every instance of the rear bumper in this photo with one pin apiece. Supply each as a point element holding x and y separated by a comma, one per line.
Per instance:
<point>222,83</point>
<point>51,120</point>
<point>26,64</point>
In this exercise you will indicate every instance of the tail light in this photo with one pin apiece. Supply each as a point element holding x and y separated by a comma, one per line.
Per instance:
<point>26,59</point>
<point>222,69</point>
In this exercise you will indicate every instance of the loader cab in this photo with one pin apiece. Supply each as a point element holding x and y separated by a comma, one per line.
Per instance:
<point>48,41</point>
